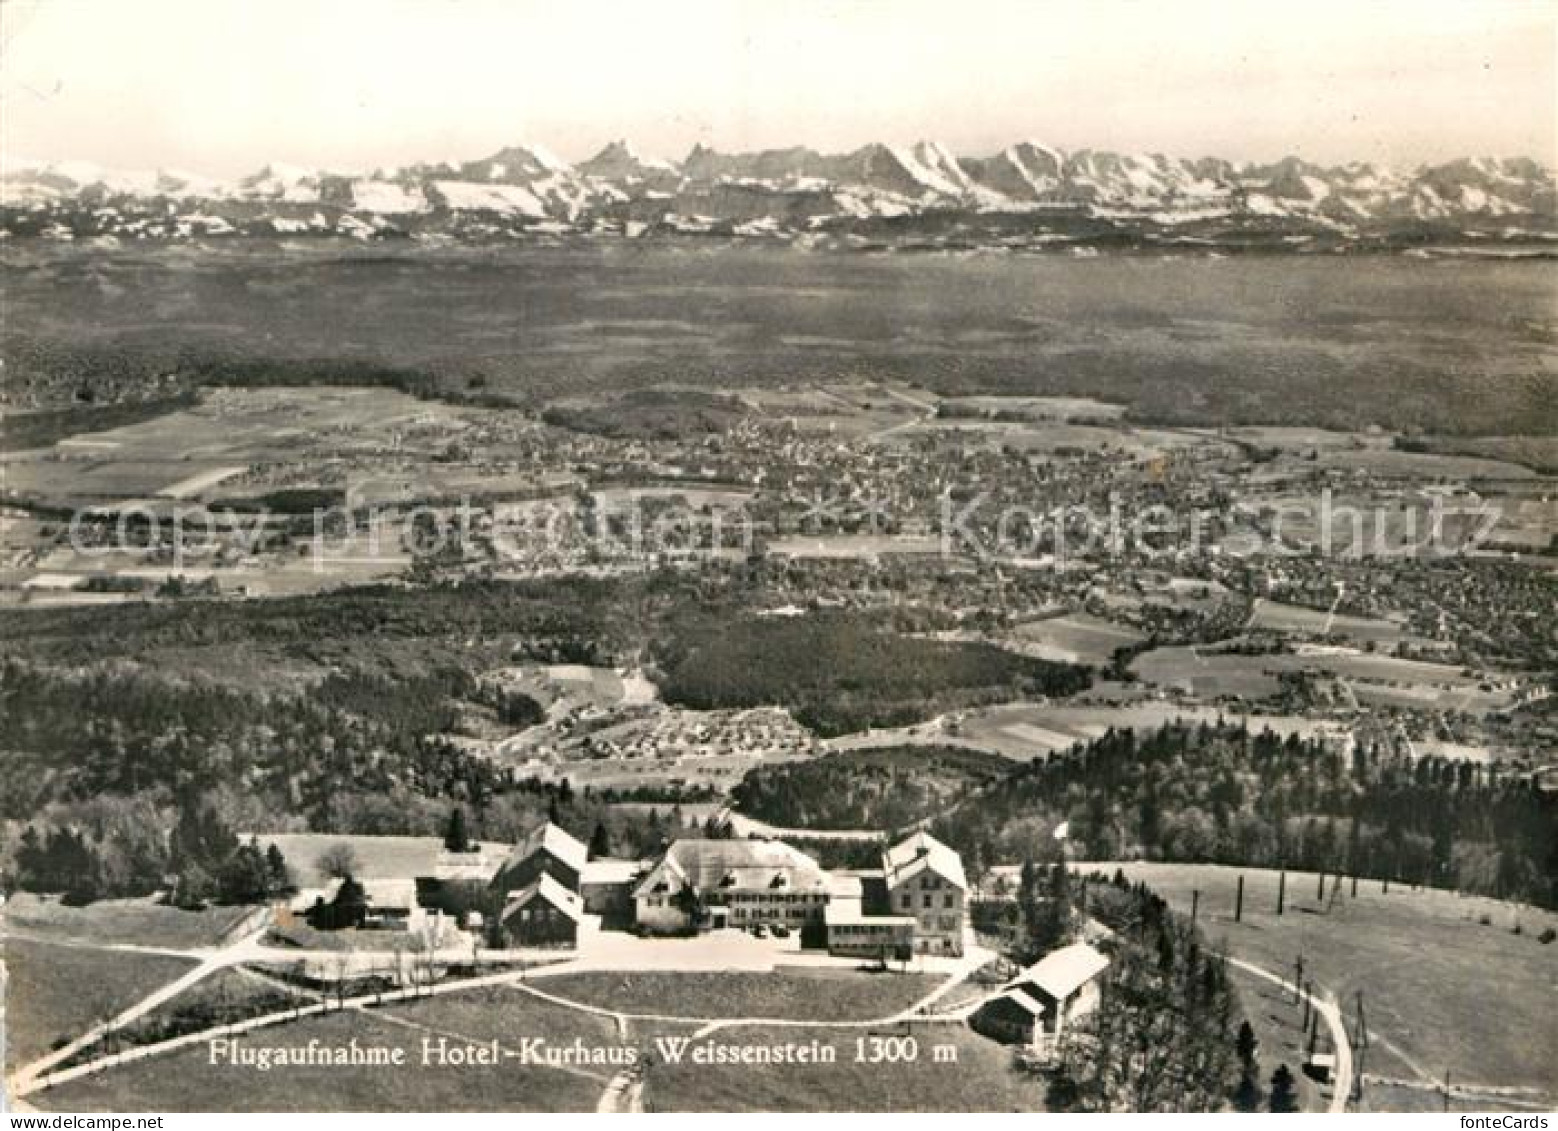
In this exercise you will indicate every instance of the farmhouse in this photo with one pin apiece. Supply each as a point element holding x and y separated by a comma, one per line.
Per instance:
<point>701,884</point>
<point>542,914</point>
<point>548,850</point>
<point>372,905</point>
<point>1036,1006</point>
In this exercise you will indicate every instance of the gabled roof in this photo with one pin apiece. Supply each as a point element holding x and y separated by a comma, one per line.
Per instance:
<point>554,841</point>
<point>908,858</point>
<point>1022,1001</point>
<point>1061,973</point>
<point>724,865</point>
<point>550,891</point>
<point>559,843</point>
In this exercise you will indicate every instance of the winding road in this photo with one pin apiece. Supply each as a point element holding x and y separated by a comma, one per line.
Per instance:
<point>1331,1014</point>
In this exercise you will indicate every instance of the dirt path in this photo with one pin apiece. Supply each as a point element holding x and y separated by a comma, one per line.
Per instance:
<point>26,1077</point>
<point>623,1092</point>
<point>1331,1014</point>
<point>42,1074</point>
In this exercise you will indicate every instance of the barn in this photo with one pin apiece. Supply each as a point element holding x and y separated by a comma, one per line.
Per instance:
<point>543,914</point>
<point>548,850</point>
<point>1035,1007</point>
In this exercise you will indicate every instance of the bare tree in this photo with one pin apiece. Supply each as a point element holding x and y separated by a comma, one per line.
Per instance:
<point>337,862</point>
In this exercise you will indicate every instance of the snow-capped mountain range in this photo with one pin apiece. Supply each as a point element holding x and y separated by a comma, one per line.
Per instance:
<point>1027,196</point>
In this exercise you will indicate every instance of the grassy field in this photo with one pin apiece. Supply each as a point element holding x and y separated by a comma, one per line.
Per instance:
<point>1303,340</point>
<point>138,921</point>
<point>56,991</point>
<point>1278,1022</point>
<point>187,1081</point>
<point>1274,616</point>
<point>1374,679</point>
<point>979,1077</point>
<point>185,453</point>
<point>822,995</point>
<point>1076,638</point>
<point>227,995</point>
<point>507,1014</point>
<point>1023,731</point>
<point>1443,991</point>
<point>378,857</point>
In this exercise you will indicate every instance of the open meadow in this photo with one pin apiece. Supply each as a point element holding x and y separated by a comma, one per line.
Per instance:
<point>796,995</point>
<point>138,922</point>
<point>1026,731</point>
<point>1318,341</point>
<point>186,1080</point>
<point>57,991</point>
<point>1448,986</point>
<point>972,1074</point>
<point>1077,638</point>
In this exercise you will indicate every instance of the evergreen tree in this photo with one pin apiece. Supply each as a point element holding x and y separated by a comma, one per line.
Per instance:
<point>1284,1093</point>
<point>244,876</point>
<point>350,905</point>
<point>456,839</point>
<point>600,841</point>
<point>278,877</point>
<point>193,887</point>
<point>1247,1096</point>
<point>1246,1043</point>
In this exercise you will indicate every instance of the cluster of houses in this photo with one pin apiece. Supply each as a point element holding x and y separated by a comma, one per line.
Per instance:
<point>542,893</point>
<point>544,890</point>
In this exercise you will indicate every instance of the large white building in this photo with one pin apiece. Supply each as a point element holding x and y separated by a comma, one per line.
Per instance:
<point>707,884</point>
<point>914,904</point>
<point>924,880</point>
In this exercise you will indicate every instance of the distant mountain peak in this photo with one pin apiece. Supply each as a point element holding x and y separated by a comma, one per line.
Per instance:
<point>1028,194</point>
<point>620,159</point>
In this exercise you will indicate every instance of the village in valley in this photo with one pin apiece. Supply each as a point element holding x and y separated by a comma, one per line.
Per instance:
<point>631,816</point>
<point>732,557</point>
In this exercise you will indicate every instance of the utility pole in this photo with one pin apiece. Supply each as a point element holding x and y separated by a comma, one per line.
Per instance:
<point>1238,901</point>
<point>1282,891</point>
<point>1195,905</point>
<point>1320,890</point>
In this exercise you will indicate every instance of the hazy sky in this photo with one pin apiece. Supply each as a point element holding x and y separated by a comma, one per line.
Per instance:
<point>222,86</point>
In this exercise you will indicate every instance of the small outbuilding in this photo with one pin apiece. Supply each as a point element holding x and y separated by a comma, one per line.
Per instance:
<point>1035,1007</point>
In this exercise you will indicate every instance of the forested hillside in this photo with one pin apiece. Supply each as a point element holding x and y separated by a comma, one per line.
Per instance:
<point>1222,794</point>
<point>67,736</point>
<point>842,672</point>
<point>886,788</point>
